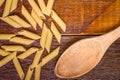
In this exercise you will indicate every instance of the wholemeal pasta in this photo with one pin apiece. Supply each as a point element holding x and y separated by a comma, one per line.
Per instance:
<point>6,36</point>
<point>50,56</point>
<point>18,68</point>
<point>7,8</point>
<point>14,5</point>
<point>56,32</point>
<point>7,59</point>
<point>1,2</point>
<point>49,6</point>
<point>19,20</point>
<point>29,34</point>
<point>13,48</point>
<point>30,19</point>
<point>58,20</point>
<point>21,40</point>
<point>27,53</point>
<point>37,72</point>
<point>4,53</point>
<point>37,18</point>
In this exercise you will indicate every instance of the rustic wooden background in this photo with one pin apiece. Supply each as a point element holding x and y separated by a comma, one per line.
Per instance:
<point>100,16</point>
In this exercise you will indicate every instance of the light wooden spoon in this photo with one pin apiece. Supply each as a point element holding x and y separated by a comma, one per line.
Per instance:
<point>84,55</point>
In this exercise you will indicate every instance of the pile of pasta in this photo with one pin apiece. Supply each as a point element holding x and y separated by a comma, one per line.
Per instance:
<point>26,37</point>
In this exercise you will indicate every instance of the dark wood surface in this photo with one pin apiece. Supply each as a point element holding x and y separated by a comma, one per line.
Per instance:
<point>70,12</point>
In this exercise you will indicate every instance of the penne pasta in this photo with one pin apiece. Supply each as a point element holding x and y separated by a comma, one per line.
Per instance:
<point>49,6</point>
<point>36,8</point>
<point>1,2</point>
<point>29,34</point>
<point>43,36</point>
<point>20,21</point>
<point>58,20</point>
<point>42,6</point>
<point>21,40</point>
<point>56,32</point>
<point>14,5</point>
<point>29,73</point>
<point>6,36</point>
<point>13,48</point>
<point>7,8</point>
<point>37,58</point>
<point>27,53</point>
<point>4,53</point>
<point>37,72</point>
<point>11,22</point>
<point>7,59</point>
<point>30,19</point>
<point>18,68</point>
<point>50,56</point>
<point>48,40</point>
<point>37,18</point>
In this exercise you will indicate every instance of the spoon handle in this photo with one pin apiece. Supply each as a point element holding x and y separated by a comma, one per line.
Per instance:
<point>110,37</point>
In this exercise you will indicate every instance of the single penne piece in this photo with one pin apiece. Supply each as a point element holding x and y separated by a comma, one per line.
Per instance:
<point>1,2</point>
<point>27,53</point>
<point>6,36</point>
<point>48,41</point>
<point>42,6</point>
<point>55,32</point>
<point>4,53</point>
<point>43,36</point>
<point>36,8</point>
<point>50,6</point>
<point>7,8</point>
<point>50,56</point>
<point>19,20</point>
<point>29,73</point>
<point>27,15</point>
<point>37,58</point>
<point>21,40</point>
<point>29,34</point>
<point>58,20</point>
<point>7,59</point>
<point>14,5</point>
<point>13,48</point>
<point>37,18</point>
<point>18,68</point>
<point>37,72</point>
<point>11,22</point>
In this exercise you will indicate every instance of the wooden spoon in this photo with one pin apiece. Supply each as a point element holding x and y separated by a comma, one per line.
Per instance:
<point>84,55</point>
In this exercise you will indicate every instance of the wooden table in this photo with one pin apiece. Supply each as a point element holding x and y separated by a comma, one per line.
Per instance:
<point>83,19</point>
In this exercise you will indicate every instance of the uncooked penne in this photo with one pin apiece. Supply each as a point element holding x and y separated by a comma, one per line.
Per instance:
<point>36,8</point>
<point>1,2</point>
<point>21,40</point>
<point>13,48</point>
<point>19,20</point>
<point>37,18</point>
<point>50,6</point>
<point>18,68</point>
<point>29,34</point>
<point>14,5</point>
<point>50,56</point>
<point>48,41</point>
<point>58,20</point>
<point>6,36</point>
<point>43,36</point>
<point>37,58</point>
<point>11,22</point>
<point>30,19</point>
<point>27,53</point>
<point>43,6</point>
<point>7,8</point>
<point>37,72</point>
<point>56,32</point>
<point>29,73</point>
<point>4,53</point>
<point>7,59</point>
